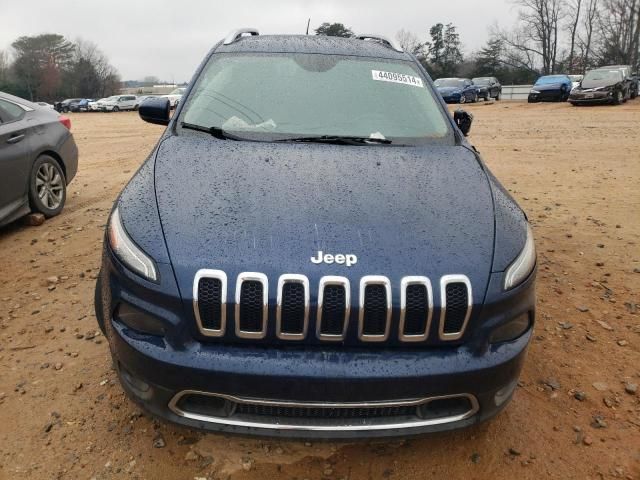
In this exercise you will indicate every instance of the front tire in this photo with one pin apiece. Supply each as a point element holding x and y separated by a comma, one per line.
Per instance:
<point>463,98</point>
<point>115,109</point>
<point>47,186</point>
<point>618,99</point>
<point>498,96</point>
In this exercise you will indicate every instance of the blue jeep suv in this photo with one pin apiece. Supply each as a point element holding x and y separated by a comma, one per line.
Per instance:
<point>313,249</point>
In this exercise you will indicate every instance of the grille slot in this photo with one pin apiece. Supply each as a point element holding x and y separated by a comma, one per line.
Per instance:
<point>333,308</point>
<point>277,411</point>
<point>456,306</point>
<point>251,305</point>
<point>375,308</point>
<point>293,307</point>
<point>416,308</point>
<point>210,302</point>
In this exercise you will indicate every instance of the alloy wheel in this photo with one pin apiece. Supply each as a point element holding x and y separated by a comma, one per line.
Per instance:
<point>49,186</point>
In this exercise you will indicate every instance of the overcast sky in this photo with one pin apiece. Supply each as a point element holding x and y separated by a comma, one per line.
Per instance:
<point>169,38</point>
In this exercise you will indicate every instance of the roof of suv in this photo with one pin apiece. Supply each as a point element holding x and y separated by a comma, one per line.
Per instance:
<point>312,44</point>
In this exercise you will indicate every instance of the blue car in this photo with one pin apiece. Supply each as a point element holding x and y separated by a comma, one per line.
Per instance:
<point>457,90</point>
<point>551,88</point>
<point>314,249</point>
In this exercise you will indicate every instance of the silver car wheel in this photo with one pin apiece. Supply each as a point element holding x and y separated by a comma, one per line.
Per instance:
<point>49,185</point>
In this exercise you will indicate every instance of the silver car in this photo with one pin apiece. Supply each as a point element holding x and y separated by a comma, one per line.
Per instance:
<point>38,159</point>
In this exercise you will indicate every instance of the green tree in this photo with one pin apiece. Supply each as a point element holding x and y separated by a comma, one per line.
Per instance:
<point>444,54</point>
<point>489,58</point>
<point>334,30</point>
<point>39,62</point>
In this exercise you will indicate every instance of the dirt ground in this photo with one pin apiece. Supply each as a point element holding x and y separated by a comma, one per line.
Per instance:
<point>575,414</point>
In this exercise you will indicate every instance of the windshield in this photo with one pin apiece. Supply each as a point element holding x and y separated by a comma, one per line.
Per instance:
<point>279,96</point>
<point>550,80</point>
<point>482,81</point>
<point>599,78</point>
<point>449,82</point>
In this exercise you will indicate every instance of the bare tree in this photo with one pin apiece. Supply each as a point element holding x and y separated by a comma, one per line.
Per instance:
<point>588,25</point>
<point>574,13</point>
<point>107,80</point>
<point>620,31</point>
<point>410,42</point>
<point>538,32</point>
<point>4,66</point>
<point>519,52</point>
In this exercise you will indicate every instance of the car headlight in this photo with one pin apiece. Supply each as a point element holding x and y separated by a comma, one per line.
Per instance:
<point>127,251</point>
<point>523,264</point>
<point>534,91</point>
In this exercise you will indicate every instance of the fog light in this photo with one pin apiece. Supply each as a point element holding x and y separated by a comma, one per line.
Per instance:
<point>511,330</point>
<point>138,387</point>
<point>138,320</point>
<point>504,393</point>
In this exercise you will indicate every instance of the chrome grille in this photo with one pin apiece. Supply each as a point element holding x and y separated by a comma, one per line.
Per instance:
<point>375,312</point>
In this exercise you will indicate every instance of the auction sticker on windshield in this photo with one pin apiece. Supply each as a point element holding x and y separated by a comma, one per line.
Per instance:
<point>397,78</point>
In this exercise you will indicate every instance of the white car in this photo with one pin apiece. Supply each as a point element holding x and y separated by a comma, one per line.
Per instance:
<point>175,96</point>
<point>45,104</point>
<point>95,106</point>
<point>575,80</point>
<point>142,98</point>
<point>118,103</point>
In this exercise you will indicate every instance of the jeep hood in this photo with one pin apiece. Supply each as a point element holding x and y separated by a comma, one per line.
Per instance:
<point>264,207</point>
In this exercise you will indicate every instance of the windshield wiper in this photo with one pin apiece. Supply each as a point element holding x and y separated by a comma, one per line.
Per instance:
<point>217,132</point>
<point>339,139</point>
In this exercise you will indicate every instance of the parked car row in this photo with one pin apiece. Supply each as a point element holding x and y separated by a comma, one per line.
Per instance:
<point>614,84</point>
<point>463,90</point>
<point>114,103</point>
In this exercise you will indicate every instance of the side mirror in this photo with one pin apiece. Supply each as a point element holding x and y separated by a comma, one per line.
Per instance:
<point>155,110</point>
<point>463,121</point>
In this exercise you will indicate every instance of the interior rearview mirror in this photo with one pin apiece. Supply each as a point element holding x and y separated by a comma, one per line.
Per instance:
<point>463,121</point>
<point>155,110</point>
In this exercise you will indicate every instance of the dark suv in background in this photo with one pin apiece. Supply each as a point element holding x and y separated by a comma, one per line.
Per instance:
<point>313,248</point>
